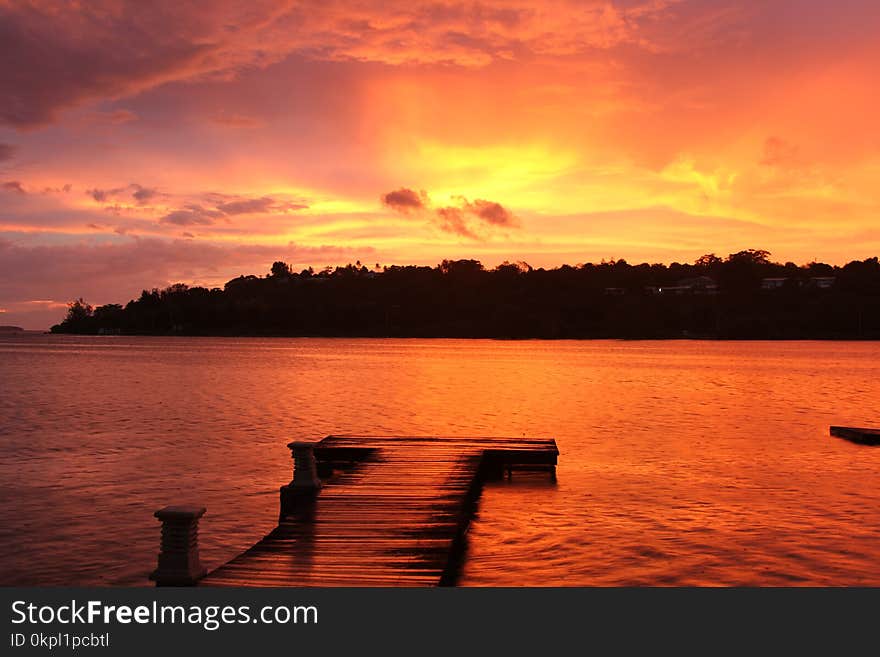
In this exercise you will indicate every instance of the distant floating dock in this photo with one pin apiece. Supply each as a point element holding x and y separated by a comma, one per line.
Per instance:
<point>857,435</point>
<point>386,511</point>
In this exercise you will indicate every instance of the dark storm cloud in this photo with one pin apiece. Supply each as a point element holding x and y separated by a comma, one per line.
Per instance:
<point>104,195</point>
<point>191,215</point>
<point>452,220</point>
<point>14,186</point>
<point>491,212</point>
<point>247,206</point>
<point>143,194</point>
<point>55,57</point>
<point>459,219</point>
<point>405,200</point>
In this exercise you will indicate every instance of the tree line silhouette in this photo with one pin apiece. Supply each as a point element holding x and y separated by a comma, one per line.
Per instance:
<point>742,296</point>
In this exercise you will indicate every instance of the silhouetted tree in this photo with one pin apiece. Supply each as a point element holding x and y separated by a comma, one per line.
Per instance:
<point>79,319</point>
<point>460,298</point>
<point>79,311</point>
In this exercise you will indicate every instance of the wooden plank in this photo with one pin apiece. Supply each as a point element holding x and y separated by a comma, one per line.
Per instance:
<point>393,513</point>
<point>857,435</point>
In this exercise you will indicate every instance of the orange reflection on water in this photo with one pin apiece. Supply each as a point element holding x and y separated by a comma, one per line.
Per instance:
<point>681,462</point>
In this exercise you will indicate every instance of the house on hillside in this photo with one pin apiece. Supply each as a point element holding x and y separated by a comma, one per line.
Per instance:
<point>822,282</point>
<point>773,283</point>
<point>693,285</point>
<point>699,285</point>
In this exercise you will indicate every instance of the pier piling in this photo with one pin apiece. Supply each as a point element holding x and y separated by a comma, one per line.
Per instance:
<point>305,482</point>
<point>179,563</point>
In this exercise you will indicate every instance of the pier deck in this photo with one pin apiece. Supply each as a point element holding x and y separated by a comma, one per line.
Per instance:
<point>393,511</point>
<point>857,435</point>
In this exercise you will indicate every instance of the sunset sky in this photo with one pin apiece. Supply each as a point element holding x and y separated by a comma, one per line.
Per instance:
<point>146,144</point>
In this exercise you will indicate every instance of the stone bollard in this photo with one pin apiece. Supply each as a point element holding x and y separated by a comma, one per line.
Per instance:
<point>305,483</point>
<point>179,563</point>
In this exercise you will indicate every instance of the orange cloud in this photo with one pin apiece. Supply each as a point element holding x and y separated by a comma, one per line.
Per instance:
<point>549,131</point>
<point>457,219</point>
<point>405,200</point>
<point>14,186</point>
<point>146,54</point>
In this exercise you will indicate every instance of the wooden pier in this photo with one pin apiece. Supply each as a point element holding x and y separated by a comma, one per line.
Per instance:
<point>857,435</point>
<point>390,511</point>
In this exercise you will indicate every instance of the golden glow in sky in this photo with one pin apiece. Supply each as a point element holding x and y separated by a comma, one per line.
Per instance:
<point>198,142</point>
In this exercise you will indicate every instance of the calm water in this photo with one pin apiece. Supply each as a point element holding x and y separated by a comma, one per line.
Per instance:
<point>682,462</point>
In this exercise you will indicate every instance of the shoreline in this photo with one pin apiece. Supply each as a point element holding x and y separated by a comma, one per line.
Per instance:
<point>689,338</point>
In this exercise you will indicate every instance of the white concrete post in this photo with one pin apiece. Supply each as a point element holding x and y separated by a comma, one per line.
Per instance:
<point>179,563</point>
